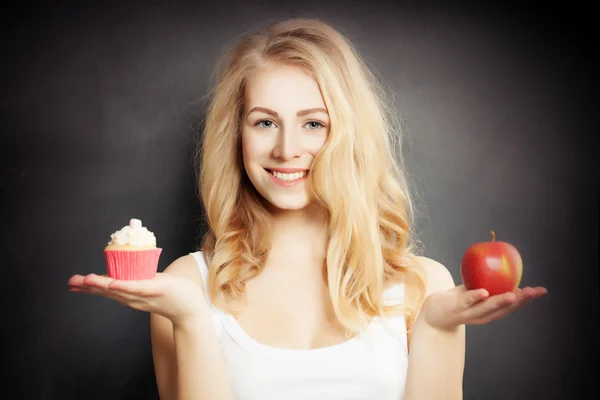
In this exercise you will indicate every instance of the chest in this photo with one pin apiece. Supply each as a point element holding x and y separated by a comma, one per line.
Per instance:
<point>294,312</point>
<point>371,366</point>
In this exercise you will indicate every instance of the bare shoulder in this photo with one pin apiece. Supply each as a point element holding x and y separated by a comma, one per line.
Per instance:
<point>438,279</point>
<point>186,267</point>
<point>163,345</point>
<point>438,276</point>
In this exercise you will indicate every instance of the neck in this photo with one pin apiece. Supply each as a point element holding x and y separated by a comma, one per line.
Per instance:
<point>298,234</point>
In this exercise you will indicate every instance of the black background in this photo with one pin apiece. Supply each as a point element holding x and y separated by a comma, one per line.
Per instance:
<point>100,106</point>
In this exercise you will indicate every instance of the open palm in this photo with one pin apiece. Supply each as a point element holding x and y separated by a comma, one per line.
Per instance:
<point>448,309</point>
<point>173,297</point>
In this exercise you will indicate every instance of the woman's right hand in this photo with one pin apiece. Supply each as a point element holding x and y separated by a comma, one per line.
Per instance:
<point>174,297</point>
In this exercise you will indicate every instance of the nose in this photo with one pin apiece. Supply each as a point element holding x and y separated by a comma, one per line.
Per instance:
<point>288,145</point>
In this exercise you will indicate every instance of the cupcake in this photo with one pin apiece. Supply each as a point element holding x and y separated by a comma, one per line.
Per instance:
<point>131,253</point>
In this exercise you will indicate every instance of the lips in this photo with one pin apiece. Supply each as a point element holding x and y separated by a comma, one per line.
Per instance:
<point>287,176</point>
<point>287,170</point>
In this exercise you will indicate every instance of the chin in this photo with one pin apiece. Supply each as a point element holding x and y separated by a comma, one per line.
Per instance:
<point>292,203</point>
<point>280,199</point>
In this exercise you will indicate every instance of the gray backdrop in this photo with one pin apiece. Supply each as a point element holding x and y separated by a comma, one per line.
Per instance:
<point>99,107</point>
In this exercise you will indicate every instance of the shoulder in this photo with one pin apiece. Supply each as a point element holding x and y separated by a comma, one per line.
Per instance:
<point>437,276</point>
<point>186,267</point>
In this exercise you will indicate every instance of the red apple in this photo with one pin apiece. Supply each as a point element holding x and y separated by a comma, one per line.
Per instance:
<point>494,266</point>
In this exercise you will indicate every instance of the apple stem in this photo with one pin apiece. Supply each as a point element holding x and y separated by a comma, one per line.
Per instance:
<point>493,235</point>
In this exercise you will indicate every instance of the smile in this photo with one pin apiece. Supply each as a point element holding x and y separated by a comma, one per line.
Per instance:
<point>287,177</point>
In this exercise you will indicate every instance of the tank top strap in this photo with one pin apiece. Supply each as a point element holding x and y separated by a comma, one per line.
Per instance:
<point>217,314</point>
<point>199,257</point>
<point>394,294</point>
<point>395,324</point>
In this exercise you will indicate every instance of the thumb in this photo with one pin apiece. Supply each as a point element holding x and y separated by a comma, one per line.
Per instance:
<point>460,289</point>
<point>471,297</point>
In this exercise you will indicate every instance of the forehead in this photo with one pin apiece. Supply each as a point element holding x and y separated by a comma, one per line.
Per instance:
<point>282,87</point>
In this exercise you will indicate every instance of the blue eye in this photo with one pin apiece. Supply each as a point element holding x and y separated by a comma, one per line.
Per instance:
<point>264,123</point>
<point>313,125</point>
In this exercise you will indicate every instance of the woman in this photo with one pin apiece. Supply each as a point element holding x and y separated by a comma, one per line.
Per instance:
<point>308,284</point>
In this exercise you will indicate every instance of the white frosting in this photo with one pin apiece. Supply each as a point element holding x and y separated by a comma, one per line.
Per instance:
<point>133,234</point>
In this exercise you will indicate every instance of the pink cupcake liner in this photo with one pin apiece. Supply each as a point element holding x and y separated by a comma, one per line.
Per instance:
<point>132,265</point>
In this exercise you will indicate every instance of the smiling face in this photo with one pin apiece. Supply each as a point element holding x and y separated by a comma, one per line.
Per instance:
<point>285,124</point>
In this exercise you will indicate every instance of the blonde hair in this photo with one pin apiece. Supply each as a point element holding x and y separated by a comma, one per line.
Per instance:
<point>370,233</point>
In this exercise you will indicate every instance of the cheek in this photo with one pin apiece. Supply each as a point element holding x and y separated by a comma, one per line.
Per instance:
<point>254,147</point>
<point>246,149</point>
<point>314,143</point>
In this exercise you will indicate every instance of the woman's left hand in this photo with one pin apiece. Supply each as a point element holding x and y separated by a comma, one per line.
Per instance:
<point>457,306</point>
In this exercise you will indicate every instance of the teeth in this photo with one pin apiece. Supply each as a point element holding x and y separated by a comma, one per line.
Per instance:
<point>289,177</point>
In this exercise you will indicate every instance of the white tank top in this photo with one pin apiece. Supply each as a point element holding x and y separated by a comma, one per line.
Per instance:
<point>370,366</point>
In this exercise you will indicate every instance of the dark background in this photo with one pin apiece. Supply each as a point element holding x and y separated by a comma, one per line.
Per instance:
<point>100,105</point>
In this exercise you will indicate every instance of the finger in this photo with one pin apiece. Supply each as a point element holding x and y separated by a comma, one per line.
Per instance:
<point>526,295</point>
<point>97,281</point>
<point>90,284</point>
<point>75,281</point>
<point>522,298</point>
<point>491,305</point>
<point>143,288</point>
<point>540,291</point>
<point>472,297</point>
<point>89,290</point>
<point>529,294</point>
<point>78,280</point>
<point>108,287</point>
<point>123,298</point>
<point>458,289</point>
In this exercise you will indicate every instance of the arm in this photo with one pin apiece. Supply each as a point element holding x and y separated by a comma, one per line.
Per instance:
<point>187,356</point>
<point>436,359</point>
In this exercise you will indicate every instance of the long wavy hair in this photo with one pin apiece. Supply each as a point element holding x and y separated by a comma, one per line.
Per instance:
<point>371,240</point>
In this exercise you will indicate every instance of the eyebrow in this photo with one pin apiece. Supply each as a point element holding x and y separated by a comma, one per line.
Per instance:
<point>300,113</point>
